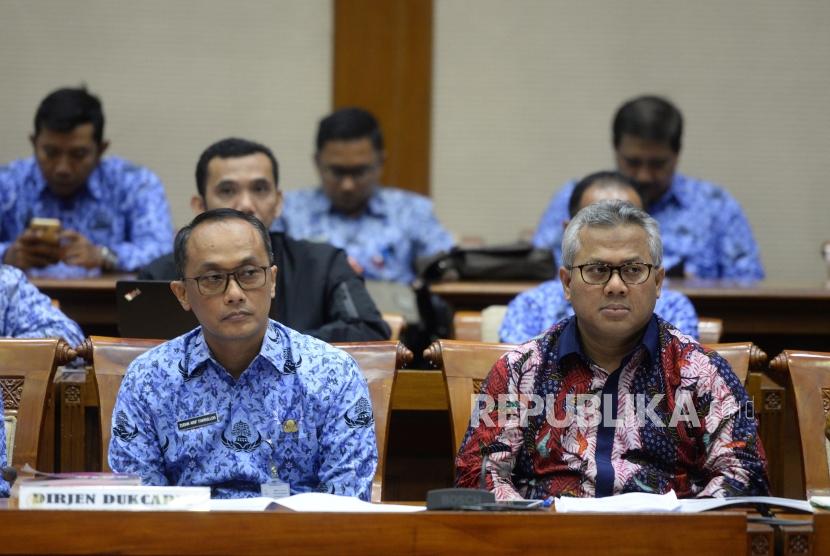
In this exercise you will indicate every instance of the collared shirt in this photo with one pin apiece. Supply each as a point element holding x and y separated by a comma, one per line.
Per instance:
<point>397,228</point>
<point>672,416</point>
<point>301,405</point>
<point>535,310</point>
<point>122,207</point>
<point>27,313</point>
<point>704,230</point>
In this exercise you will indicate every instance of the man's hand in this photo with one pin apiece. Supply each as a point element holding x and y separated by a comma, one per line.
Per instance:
<point>78,250</point>
<point>32,250</point>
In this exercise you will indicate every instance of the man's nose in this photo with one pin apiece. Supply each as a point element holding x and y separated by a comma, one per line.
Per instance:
<point>347,183</point>
<point>643,174</point>
<point>245,203</point>
<point>615,284</point>
<point>233,293</point>
<point>63,166</point>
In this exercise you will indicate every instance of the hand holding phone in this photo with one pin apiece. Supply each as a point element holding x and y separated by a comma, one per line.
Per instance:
<point>37,246</point>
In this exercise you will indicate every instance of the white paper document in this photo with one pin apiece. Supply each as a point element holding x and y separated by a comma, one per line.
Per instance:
<point>628,502</point>
<point>320,502</point>
<point>308,502</point>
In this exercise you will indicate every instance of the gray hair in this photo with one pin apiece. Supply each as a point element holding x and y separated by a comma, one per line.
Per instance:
<point>610,214</point>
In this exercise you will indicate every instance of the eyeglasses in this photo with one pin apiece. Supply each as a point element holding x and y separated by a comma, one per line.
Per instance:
<point>598,274</point>
<point>357,173</point>
<point>247,277</point>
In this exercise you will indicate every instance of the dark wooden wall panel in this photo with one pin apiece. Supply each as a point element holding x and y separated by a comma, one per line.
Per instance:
<point>383,62</point>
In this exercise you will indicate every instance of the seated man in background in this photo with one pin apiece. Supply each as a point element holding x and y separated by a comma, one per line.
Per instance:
<point>704,229</point>
<point>27,313</point>
<point>241,400</point>
<point>317,291</point>
<point>113,214</point>
<point>383,229</point>
<point>534,311</point>
<point>613,399</point>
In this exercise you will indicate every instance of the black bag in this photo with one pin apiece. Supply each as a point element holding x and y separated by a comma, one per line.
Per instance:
<point>518,261</point>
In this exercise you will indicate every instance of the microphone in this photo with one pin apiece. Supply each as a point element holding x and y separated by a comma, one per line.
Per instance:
<point>9,474</point>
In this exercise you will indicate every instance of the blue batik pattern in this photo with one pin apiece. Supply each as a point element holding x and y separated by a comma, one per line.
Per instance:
<point>703,228</point>
<point>4,485</point>
<point>396,229</point>
<point>123,207</point>
<point>27,313</point>
<point>301,396</point>
<point>534,311</point>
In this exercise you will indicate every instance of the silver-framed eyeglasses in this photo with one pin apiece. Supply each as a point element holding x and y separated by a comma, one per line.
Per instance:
<point>598,274</point>
<point>215,282</point>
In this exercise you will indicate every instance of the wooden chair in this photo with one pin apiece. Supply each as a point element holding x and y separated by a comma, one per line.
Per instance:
<point>397,324</point>
<point>27,368</point>
<point>709,330</point>
<point>378,361</point>
<point>109,358</point>
<point>467,325</point>
<point>466,364</point>
<point>809,374</point>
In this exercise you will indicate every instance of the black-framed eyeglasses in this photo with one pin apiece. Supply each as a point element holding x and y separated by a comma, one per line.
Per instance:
<point>357,173</point>
<point>216,282</point>
<point>598,274</point>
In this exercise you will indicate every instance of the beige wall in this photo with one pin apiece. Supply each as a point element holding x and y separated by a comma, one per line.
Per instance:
<point>525,90</point>
<point>173,77</point>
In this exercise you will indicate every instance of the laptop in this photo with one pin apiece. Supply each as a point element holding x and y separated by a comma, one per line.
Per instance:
<point>148,309</point>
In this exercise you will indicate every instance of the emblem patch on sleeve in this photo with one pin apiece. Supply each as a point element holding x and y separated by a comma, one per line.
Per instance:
<point>360,415</point>
<point>122,427</point>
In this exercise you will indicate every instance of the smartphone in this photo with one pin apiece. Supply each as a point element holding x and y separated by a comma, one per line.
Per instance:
<point>48,229</point>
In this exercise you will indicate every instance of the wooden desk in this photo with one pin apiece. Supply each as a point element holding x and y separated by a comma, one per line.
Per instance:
<point>44,532</point>
<point>88,301</point>
<point>821,533</point>
<point>766,313</point>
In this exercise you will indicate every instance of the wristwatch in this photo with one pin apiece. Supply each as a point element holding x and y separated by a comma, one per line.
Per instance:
<point>109,260</point>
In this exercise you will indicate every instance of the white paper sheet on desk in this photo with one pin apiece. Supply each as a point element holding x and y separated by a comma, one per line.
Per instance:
<point>309,502</point>
<point>694,505</point>
<point>628,502</point>
<point>320,502</point>
<point>822,502</point>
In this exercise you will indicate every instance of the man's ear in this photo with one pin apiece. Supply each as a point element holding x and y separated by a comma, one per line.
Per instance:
<point>102,147</point>
<point>178,289</point>
<point>32,140</point>
<point>197,203</point>
<point>278,208</point>
<point>565,224</point>
<point>273,270</point>
<point>658,279</point>
<point>565,278</point>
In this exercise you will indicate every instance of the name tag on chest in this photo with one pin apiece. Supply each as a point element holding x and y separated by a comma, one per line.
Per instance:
<point>198,422</point>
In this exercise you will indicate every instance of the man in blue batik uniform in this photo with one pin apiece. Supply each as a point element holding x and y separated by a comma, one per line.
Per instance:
<point>534,311</point>
<point>27,313</point>
<point>383,229</point>
<point>241,400</point>
<point>113,213</point>
<point>705,232</point>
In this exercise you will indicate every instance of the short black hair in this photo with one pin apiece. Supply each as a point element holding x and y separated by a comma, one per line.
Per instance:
<point>65,109</point>
<point>348,124</point>
<point>232,147</point>
<point>607,178</point>
<point>216,215</point>
<point>651,118</point>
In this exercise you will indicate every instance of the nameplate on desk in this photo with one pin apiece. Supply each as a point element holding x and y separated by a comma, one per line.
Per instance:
<point>112,497</point>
